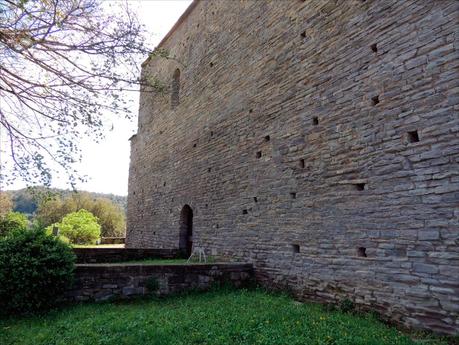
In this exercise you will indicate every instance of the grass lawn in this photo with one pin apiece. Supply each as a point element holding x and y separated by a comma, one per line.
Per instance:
<point>153,262</point>
<point>97,245</point>
<point>217,317</point>
<point>167,261</point>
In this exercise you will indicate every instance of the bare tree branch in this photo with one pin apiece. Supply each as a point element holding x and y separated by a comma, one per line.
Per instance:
<point>64,66</point>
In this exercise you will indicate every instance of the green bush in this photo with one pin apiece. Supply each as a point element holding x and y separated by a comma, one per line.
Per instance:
<point>79,227</point>
<point>12,221</point>
<point>35,269</point>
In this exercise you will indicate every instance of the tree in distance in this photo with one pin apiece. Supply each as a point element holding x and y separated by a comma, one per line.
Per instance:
<point>79,227</point>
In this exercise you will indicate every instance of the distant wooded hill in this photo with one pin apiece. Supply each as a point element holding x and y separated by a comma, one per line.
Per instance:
<point>26,200</point>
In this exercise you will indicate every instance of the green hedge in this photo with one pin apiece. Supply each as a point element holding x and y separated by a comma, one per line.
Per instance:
<point>35,270</point>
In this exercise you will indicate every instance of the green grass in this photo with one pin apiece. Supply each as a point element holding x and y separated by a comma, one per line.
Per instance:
<point>168,261</point>
<point>97,245</point>
<point>217,317</point>
<point>155,261</point>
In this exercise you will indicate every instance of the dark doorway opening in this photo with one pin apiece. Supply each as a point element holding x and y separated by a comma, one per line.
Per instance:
<point>186,230</point>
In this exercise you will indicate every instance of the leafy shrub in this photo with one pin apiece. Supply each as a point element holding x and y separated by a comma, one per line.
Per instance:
<point>79,227</point>
<point>12,221</point>
<point>35,269</point>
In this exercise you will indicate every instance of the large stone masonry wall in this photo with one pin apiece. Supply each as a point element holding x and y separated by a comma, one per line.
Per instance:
<point>318,140</point>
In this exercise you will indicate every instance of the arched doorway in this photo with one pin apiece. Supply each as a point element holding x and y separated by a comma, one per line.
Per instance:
<point>186,230</point>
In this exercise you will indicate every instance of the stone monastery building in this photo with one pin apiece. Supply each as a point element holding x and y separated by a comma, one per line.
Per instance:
<point>316,139</point>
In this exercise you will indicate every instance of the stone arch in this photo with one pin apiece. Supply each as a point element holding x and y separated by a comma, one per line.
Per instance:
<point>186,230</point>
<point>175,89</point>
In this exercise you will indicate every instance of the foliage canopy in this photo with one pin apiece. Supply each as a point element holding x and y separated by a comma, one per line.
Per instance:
<point>110,216</point>
<point>12,222</point>
<point>79,227</point>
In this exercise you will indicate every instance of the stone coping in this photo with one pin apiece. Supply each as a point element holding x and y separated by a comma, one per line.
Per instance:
<point>168,266</point>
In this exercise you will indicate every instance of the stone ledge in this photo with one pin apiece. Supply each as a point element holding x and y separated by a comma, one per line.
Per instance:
<point>99,282</point>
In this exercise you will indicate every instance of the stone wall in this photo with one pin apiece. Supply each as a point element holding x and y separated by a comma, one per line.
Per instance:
<point>106,255</point>
<point>116,281</point>
<point>318,140</point>
<point>112,240</point>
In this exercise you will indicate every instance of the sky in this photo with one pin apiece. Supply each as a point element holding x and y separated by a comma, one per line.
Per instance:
<point>107,164</point>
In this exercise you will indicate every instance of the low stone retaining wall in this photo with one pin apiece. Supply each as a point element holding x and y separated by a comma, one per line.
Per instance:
<point>112,240</point>
<point>107,255</point>
<point>99,282</point>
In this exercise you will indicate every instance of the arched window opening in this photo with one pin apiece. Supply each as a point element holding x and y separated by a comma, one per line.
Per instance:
<point>175,91</point>
<point>186,230</point>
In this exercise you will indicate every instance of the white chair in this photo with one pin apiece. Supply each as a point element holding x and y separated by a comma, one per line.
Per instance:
<point>198,251</point>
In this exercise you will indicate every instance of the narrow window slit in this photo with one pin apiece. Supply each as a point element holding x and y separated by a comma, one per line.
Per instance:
<point>255,199</point>
<point>175,97</point>
<point>267,138</point>
<point>259,154</point>
<point>374,47</point>
<point>244,212</point>
<point>301,163</point>
<point>293,195</point>
<point>295,248</point>
<point>315,120</point>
